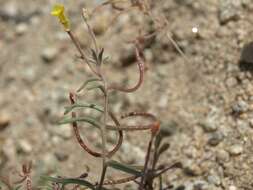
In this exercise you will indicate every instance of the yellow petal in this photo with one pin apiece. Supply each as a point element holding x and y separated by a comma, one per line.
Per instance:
<point>57,10</point>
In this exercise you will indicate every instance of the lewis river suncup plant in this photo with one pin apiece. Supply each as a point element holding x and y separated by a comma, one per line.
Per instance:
<point>148,176</point>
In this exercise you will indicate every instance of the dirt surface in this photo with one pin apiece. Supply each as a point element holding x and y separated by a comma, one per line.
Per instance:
<point>206,100</point>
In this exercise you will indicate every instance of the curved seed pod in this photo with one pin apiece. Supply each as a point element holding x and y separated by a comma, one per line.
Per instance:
<point>81,142</point>
<point>140,64</point>
<point>120,181</point>
<point>154,126</point>
<point>145,114</point>
<point>120,140</point>
<point>129,127</point>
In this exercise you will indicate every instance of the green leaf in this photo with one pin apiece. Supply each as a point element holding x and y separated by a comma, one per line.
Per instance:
<point>86,83</point>
<point>158,140</point>
<point>123,167</point>
<point>89,120</point>
<point>163,148</point>
<point>94,55</point>
<point>83,105</point>
<point>100,56</point>
<point>99,86</point>
<point>66,181</point>
<point>160,182</point>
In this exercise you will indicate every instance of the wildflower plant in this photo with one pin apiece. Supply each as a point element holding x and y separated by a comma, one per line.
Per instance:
<point>144,176</point>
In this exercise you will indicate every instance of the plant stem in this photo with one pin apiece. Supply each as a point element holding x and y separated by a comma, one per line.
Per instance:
<point>91,32</point>
<point>145,169</point>
<point>78,47</point>
<point>103,131</point>
<point>102,176</point>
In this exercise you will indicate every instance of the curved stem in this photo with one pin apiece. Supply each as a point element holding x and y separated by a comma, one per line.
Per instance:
<point>81,142</point>
<point>140,64</point>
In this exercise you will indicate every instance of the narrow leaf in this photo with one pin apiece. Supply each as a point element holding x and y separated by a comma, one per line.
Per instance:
<point>86,83</point>
<point>83,105</point>
<point>89,120</point>
<point>158,140</point>
<point>100,56</point>
<point>160,182</point>
<point>123,167</point>
<point>163,148</point>
<point>99,86</point>
<point>94,55</point>
<point>66,181</point>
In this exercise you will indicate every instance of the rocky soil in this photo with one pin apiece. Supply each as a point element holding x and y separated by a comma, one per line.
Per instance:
<point>206,99</point>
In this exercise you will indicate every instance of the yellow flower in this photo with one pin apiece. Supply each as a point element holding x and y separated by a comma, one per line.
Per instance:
<point>58,11</point>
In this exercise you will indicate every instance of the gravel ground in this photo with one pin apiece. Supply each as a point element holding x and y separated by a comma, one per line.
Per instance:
<point>206,99</point>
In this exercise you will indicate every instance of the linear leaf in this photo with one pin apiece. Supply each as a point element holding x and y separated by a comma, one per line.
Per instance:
<point>98,86</point>
<point>163,148</point>
<point>83,105</point>
<point>87,82</point>
<point>123,167</point>
<point>94,55</point>
<point>100,56</point>
<point>66,181</point>
<point>89,120</point>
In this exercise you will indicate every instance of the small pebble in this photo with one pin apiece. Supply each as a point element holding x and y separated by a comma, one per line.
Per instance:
<point>231,82</point>
<point>251,123</point>
<point>214,179</point>
<point>235,149</point>
<point>61,156</point>
<point>163,101</point>
<point>200,185</point>
<point>229,10</point>
<point>25,146</point>
<point>222,156</point>
<point>21,29</point>
<point>10,10</point>
<point>49,54</point>
<point>215,138</point>
<point>192,169</point>
<point>209,125</point>
<point>240,107</point>
<point>246,54</point>
<point>4,120</point>
<point>232,187</point>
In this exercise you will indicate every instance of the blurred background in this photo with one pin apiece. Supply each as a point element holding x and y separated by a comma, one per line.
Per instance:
<point>205,99</point>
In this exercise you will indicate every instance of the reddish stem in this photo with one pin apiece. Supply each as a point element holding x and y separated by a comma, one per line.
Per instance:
<point>81,142</point>
<point>140,64</point>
